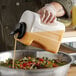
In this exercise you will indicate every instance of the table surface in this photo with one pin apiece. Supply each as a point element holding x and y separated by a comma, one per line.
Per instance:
<point>72,71</point>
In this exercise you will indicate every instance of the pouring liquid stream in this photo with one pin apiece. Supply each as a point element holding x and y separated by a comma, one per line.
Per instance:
<point>15,37</point>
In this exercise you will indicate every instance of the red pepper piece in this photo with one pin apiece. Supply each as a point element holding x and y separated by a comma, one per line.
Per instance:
<point>40,59</point>
<point>24,64</point>
<point>55,65</point>
<point>29,62</point>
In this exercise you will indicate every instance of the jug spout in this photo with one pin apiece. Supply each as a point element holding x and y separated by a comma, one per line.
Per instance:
<point>20,29</point>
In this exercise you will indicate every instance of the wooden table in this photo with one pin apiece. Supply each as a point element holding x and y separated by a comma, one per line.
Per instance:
<point>72,71</point>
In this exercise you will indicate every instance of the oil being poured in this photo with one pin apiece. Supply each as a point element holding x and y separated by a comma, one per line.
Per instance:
<point>15,37</point>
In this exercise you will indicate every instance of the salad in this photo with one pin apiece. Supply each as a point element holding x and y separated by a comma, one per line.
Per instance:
<point>29,63</point>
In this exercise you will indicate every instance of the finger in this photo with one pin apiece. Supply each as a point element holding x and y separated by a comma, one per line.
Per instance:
<point>52,20</point>
<point>41,12</point>
<point>46,16</point>
<point>48,20</point>
<point>43,15</point>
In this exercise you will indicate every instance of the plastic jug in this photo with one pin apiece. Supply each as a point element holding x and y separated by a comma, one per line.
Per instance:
<point>31,30</point>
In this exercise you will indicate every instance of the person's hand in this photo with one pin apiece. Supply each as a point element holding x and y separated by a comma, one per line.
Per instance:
<point>47,14</point>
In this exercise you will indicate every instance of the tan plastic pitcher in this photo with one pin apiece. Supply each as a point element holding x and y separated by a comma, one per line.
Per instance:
<point>48,37</point>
